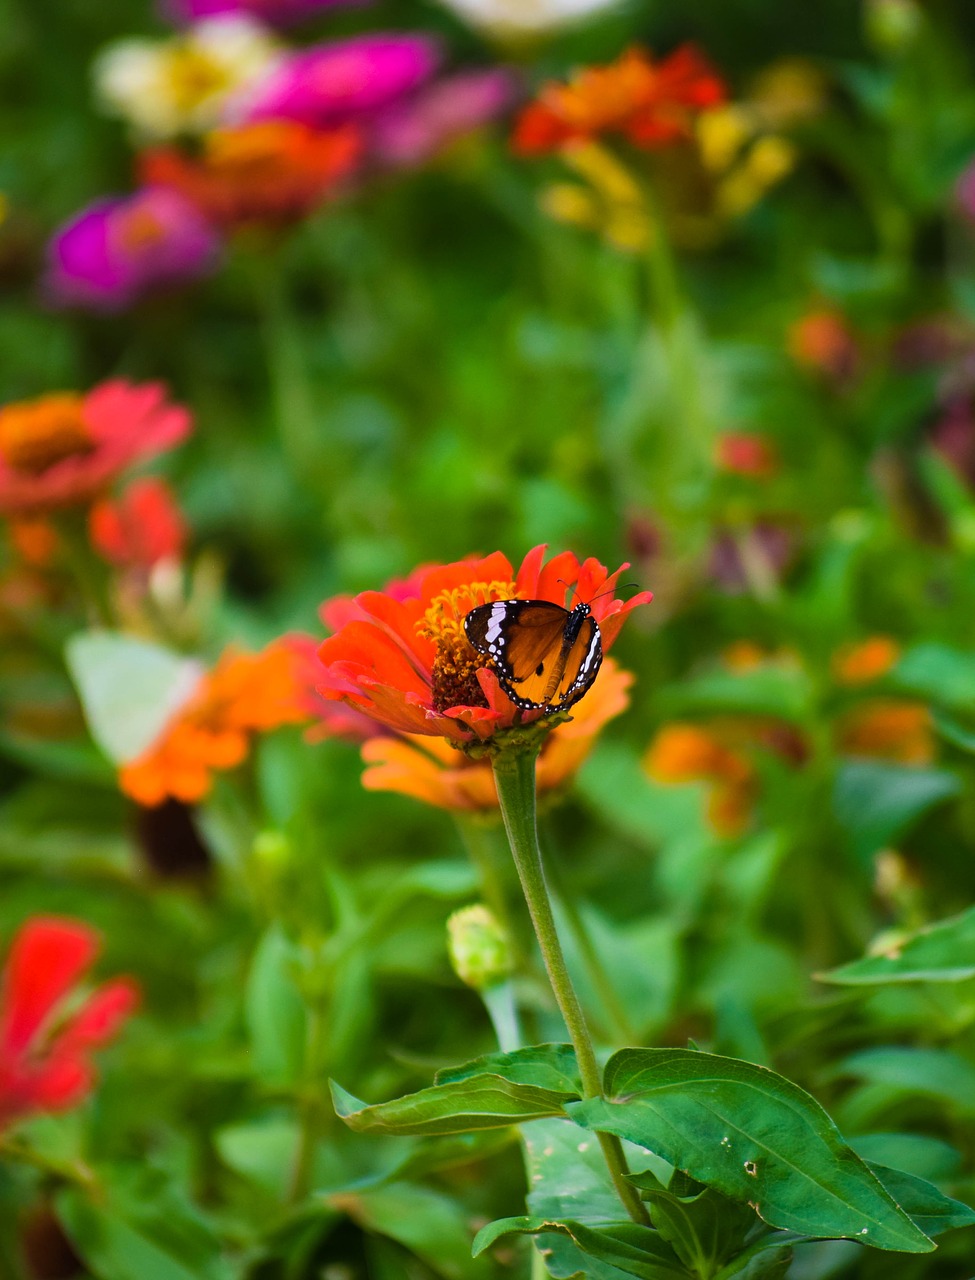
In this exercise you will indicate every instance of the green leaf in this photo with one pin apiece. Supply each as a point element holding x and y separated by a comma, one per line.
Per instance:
<point>568,1179</point>
<point>930,1209</point>
<point>129,688</point>
<point>704,1229</point>
<point>938,673</point>
<point>430,1224</point>
<point>140,1227</point>
<point>942,952</point>
<point>755,1137</point>
<point>635,1250</point>
<point>275,1011</point>
<point>876,802</point>
<point>933,1073</point>
<point>546,1066</point>
<point>781,691</point>
<point>489,1093</point>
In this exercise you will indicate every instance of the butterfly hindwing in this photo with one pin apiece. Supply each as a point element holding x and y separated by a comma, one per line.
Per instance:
<point>546,657</point>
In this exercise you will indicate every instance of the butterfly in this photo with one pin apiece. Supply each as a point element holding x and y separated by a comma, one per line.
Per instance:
<point>546,657</point>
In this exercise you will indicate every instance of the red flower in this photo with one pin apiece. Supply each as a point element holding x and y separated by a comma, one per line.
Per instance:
<point>140,529</point>
<point>269,173</point>
<point>746,455</point>
<point>63,449</point>
<point>44,1048</point>
<point>653,104</point>
<point>402,657</point>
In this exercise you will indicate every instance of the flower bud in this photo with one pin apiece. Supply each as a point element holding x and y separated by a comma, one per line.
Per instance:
<point>478,948</point>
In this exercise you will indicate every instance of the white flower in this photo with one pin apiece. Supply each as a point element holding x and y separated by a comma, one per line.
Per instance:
<point>165,87</point>
<point>525,17</point>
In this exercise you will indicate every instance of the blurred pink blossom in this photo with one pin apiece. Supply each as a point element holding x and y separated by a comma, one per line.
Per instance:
<point>342,80</point>
<point>414,130</point>
<point>115,250</point>
<point>273,12</point>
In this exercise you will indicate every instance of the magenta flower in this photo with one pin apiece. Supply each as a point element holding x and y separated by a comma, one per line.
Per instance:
<point>343,80</point>
<point>277,13</point>
<point>117,249</point>
<point>412,131</point>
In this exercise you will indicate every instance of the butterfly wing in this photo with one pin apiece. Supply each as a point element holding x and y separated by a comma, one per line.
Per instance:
<point>540,663</point>
<point>582,662</point>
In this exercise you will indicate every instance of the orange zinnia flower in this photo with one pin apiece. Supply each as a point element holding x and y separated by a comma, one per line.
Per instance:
<point>866,661</point>
<point>434,771</point>
<point>265,174</point>
<point>889,729</point>
<point>403,658</point>
<point>243,694</point>
<point>823,342</point>
<point>653,104</point>
<point>692,753</point>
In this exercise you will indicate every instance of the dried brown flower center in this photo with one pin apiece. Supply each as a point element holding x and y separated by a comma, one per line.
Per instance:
<point>36,435</point>
<point>457,662</point>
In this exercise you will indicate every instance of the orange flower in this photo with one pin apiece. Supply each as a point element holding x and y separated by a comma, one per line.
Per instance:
<point>265,174</point>
<point>823,342</point>
<point>868,660</point>
<point>35,540</point>
<point>889,729</point>
<point>652,104</point>
<point>402,657</point>
<point>243,694</point>
<point>432,770</point>
<point>692,753</point>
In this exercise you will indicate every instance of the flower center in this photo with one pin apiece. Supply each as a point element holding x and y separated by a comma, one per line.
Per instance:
<point>457,662</point>
<point>139,229</point>
<point>39,433</point>
<point>193,76</point>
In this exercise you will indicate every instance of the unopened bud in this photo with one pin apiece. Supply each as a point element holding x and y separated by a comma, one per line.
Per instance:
<point>478,947</point>
<point>271,850</point>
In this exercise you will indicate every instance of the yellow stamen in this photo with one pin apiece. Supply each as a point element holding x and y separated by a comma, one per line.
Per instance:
<point>457,662</point>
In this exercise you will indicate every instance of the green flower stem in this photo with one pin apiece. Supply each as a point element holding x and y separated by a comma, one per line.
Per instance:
<point>514,773</point>
<point>310,1114</point>
<point>87,570</point>
<point>294,410</point>
<point>600,979</point>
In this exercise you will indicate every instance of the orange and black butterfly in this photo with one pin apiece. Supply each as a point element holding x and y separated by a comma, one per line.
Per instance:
<point>546,657</point>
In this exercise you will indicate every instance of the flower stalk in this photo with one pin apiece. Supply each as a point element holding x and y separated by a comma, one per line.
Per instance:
<point>514,772</point>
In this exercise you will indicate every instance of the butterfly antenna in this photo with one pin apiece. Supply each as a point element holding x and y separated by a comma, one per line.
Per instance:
<point>568,586</point>
<point>611,590</point>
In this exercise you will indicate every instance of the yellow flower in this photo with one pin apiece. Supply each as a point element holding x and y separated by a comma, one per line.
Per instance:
<point>609,203</point>
<point>182,84</point>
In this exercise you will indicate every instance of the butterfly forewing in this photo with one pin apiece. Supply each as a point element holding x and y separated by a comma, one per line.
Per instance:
<point>545,656</point>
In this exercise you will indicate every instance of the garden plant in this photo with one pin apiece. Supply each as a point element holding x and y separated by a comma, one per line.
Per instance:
<point>487,664</point>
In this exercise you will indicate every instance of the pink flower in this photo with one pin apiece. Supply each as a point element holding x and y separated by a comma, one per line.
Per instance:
<point>118,249</point>
<point>45,1048</point>
<point>274,12</point>
<point>62,450</point>
<point>413,131</point>
<point>342,80</point>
